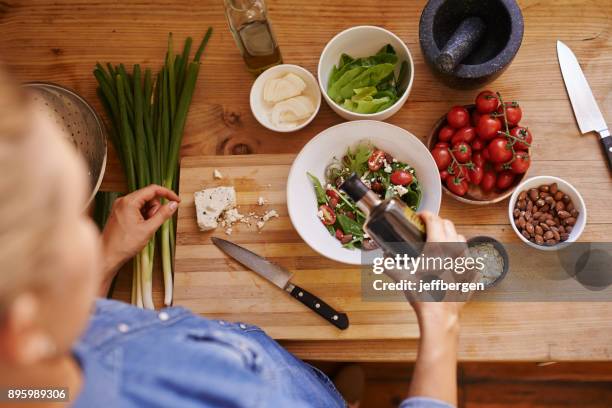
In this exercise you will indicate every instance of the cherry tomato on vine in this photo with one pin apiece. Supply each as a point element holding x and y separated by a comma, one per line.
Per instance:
<point>478,144</point>
<point>457,170</point>
<point>375,161</point>
<point>488,126</point>
<point>478,159</point>
<point>457,185</point>
<point>328,216</point>
<point>465,134</point>
<point>504,179</point>
<point>458,117</point>
<point>523,134</point>
<point>488,181</point>
<point>486,102</point>
<point>442,145</point>
<point>485,155</point>
<point>521,162</point>
<point>513,113</point>
<point>499,167</point>
<point>462,152</point>
<point>442,157</point>
<point>443,175</point>
<point>499,150</point>
<point>475,174</point>
<point>475,117</point>
<point>445,134</point>
<point>401,178</point>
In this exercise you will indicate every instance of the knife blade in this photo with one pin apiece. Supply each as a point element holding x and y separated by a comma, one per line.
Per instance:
<point>281,277</point>
<point>587,112</point>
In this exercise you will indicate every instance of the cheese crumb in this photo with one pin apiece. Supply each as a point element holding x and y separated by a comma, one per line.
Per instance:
<point>217,174</point>
<point>266,217</point>
<point>270,214</point>
<point>400,190</point>
<point>261,201</point>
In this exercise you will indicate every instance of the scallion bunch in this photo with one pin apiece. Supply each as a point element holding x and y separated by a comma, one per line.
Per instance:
<point>148,116</point>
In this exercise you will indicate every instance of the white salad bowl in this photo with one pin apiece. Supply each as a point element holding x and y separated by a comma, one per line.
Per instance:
<point>334,142</point>
<point>262,109</point>
<point>567,188</point>
<point>363,41</point>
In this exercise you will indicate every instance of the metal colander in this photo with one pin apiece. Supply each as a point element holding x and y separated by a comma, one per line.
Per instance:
<point>79,122</point>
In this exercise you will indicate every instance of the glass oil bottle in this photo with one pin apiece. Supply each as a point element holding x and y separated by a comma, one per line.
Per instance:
<point>252,31</point>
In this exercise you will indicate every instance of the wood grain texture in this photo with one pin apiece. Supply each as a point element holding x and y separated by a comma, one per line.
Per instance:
<point>60,41</point>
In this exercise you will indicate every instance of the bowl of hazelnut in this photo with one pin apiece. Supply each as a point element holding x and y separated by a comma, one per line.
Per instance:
<point>547,212</point>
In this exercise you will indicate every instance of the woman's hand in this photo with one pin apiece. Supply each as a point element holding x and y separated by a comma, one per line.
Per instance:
<point>439,230</point>
<point>134,219</point>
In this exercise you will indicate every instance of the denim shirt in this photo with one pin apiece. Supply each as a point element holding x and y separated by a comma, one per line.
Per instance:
<point>172,358</point>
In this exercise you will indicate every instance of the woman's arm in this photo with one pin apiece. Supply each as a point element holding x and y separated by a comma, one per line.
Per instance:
<point>435,373</point>
<point>133,221</point>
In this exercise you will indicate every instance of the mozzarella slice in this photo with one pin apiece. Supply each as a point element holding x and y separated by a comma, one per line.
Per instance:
<point>279,89</point>
<point>288,113</point>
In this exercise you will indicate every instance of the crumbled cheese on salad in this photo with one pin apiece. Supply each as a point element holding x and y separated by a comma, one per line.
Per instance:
<point>366,181</point>
<point>400,190</point>
<point>387,168</point>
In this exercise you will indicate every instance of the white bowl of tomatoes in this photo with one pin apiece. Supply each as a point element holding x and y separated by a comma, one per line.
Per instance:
<point>482,150</point>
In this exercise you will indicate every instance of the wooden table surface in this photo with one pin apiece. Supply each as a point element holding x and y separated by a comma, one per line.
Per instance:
<point>60,40</point>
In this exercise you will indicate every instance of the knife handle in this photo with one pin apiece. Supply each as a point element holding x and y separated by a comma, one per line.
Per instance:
<point>606,142</point>
<point>340,320</point>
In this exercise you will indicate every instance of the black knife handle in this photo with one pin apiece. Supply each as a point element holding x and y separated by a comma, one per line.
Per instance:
<point>340,320</point>
<point>606,142</point>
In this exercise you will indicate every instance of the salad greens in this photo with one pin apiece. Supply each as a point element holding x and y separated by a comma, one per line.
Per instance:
<point>367,85</point>
<point>385,175</point>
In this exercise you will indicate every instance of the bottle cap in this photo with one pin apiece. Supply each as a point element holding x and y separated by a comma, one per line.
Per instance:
<point>354,187</point>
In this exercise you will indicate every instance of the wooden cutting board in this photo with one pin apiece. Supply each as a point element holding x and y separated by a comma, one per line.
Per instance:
<point>215,286</point>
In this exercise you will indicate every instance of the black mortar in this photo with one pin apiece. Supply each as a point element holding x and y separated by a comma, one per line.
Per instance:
<point>492,53</point>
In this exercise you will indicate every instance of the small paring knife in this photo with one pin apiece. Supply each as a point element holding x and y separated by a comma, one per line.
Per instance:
<point>281,278</point>
<point>585,107</point>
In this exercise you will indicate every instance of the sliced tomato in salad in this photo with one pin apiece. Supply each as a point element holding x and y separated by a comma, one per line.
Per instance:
<point>327,214</point>
<point>375,162</point>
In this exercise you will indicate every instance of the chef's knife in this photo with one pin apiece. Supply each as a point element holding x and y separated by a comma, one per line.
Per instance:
<point>585,107</point>
<point>281,278</point>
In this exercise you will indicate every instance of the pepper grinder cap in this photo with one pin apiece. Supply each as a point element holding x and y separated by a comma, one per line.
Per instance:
<point>354,187</point>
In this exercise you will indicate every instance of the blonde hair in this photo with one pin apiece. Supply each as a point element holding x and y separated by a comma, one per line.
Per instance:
<point>27,201</point>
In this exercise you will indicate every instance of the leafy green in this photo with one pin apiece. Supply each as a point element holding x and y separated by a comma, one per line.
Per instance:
<point>357,160</point>
<point>367,85</point>
<point>350,226</point>
<point>319,190</point>
<point>413,197</point>
<point>368,104</point>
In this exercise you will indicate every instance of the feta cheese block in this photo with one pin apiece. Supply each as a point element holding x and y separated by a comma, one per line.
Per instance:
<point>210,205</point>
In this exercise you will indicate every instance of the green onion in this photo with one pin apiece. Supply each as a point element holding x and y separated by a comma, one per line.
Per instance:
<point>148,119</point>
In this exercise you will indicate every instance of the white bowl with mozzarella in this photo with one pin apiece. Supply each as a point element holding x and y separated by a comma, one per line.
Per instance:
<point>285,98</point>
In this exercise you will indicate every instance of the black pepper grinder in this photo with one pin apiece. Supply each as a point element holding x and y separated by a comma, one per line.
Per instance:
<point>395,227</point>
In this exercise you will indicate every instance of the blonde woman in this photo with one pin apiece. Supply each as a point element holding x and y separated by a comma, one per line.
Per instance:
<point>54,333</point>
